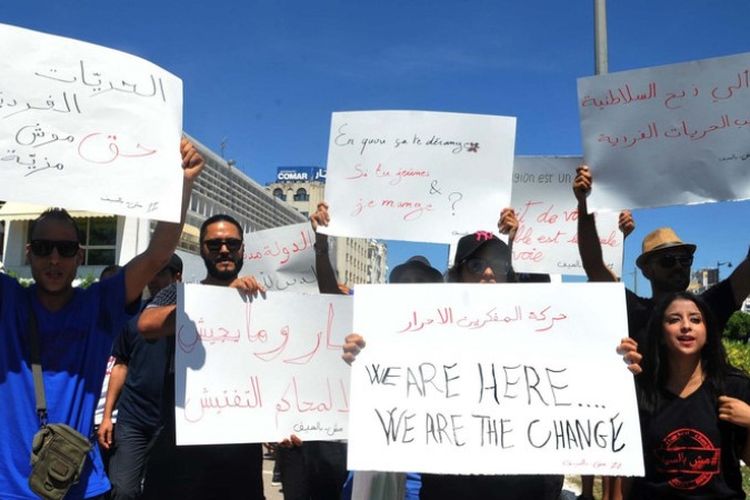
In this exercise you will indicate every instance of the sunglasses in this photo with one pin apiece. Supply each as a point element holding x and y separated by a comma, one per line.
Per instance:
<point>476,265</point>
<point>43,248</point>
<point>232,244</point>
<point>670,260</point>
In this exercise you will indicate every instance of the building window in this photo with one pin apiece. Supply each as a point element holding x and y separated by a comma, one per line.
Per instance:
<point>99,240</point>
<point>301,195</point>
<point>279,193</point>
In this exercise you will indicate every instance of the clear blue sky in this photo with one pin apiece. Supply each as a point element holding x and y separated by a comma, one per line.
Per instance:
<point>267,74</point>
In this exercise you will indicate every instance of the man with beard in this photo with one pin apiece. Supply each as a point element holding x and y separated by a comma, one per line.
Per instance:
<point>202,472</point>
<point>665,261</point>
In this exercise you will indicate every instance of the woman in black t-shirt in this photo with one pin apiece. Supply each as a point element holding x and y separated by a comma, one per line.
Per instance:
<point>693,406</point>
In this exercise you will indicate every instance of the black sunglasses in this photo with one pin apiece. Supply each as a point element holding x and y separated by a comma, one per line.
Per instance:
<point>233,244</point>
<point>669,260</point>
<point>475,265</point>
<point>43,248</point>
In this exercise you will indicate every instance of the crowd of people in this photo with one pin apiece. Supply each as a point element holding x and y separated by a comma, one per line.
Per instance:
<point>693,404</point>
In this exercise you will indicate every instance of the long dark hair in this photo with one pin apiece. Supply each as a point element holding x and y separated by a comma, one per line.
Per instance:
<point>655,363</point>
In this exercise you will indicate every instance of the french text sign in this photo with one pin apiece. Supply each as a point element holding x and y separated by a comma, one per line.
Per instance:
<point>547,237</point>
<point>251,371</point>
<point>493,379</point>
<point>669,135</point>
<point>282,258</point>
<point>86,127</point>
<point>417,176</point>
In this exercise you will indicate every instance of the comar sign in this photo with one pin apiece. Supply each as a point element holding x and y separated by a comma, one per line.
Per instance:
<point>300,174</point>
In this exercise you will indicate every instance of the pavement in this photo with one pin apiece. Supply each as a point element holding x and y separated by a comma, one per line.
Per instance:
<point>271,492</point>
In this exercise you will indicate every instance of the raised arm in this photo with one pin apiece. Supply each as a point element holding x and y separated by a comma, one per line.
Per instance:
<point>508,223</point>
<point>740,280</point>
<point>589,245</point>
<point>143,267</point>
<point>326,276</point>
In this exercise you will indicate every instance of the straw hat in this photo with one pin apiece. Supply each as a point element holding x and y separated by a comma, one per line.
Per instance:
<point>661,239</point>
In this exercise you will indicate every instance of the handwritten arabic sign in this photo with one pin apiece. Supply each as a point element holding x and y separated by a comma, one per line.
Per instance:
<point>87,127</point>
<point>493,379</point>
<point>669,135</point>
<point>283,258</point>
<point>257,371</point>
<point>547,237</point>
<point>417,176</point>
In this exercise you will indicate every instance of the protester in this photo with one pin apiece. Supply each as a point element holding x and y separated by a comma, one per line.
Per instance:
<point>75,331</point>
<point>136,389</point>
<point>107,272</point>
<point>665,261</point>
<point>480,257</point>
<point>316,469</point>
<point>693,406</point>
<point>392,485</point>
<point>212,471</point>
<point>483,258</point>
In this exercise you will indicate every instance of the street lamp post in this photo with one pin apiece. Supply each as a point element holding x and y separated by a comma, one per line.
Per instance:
<point>718,268</point>
<point>601,61</point>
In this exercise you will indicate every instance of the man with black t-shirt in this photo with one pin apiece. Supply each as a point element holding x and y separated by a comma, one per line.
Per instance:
<point>135,388</point>
<point>665,261</point>
<point>202,472</point>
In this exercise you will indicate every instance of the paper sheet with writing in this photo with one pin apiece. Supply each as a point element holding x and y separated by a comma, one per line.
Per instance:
<point>86,127</point>
<point>669,135</point>
<point>547,237</point>
<point>282,258</point>
<point>493,379</point>
<point>261,370</point>
<point>416,175</point>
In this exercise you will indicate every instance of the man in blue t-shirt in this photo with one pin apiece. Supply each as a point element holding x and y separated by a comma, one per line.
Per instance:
<point>75,328</point>
<point>136,388</point>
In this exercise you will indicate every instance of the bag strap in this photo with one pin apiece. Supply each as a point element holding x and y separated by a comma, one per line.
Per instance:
<point>36,368</point>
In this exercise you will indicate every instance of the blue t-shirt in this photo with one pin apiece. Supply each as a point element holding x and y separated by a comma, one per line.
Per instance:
<point>74,345</point>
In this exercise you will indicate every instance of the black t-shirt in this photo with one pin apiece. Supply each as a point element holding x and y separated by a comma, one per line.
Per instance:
<point>720,299</point>
<point>205,471</point>
<point>141,400</point>
<point>688,451</point>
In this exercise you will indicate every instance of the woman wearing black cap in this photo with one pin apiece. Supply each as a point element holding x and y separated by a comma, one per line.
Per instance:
<point>483,258</point>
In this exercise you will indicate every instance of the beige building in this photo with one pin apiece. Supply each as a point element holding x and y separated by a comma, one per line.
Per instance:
<point>356,260</point>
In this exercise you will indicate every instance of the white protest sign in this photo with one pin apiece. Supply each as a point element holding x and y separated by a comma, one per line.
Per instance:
<point>86,127</point>
<point>282,258</point>
<point>260,370</point>
<point>416,175</point>
<point>493,379</point>
<point>669,135</point>
<point>547,237</point>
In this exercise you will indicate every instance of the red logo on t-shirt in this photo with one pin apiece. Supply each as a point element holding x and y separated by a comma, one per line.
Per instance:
<point>689,458</point>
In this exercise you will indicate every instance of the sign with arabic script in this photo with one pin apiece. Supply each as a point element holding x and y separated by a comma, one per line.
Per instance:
<point>251,371</point>
<point>547,238</point>
<point>86,127</point>
<point>417,175</point>
<point>282,258</point>
<point>669,135</point>
<point>493,379</point>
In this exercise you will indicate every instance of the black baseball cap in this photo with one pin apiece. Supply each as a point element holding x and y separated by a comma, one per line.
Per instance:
<point>415,270</point>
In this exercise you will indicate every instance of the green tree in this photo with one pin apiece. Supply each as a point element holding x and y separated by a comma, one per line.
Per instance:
<point>738,326</point>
